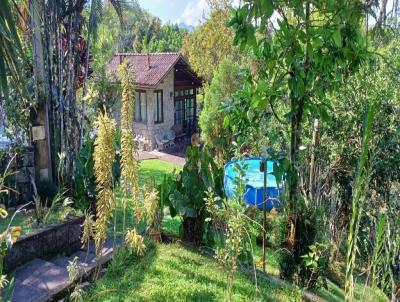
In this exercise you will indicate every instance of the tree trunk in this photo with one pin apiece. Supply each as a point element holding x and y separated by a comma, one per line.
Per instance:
<point>192,229</point>
<point>40,117</point>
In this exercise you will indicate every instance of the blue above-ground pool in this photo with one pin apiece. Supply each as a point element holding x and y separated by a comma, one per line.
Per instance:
<point>254,195</point>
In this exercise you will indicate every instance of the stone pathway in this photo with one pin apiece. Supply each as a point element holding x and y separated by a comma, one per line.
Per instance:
<point>174,159</point>
<point>40,280</point>
<point>146,155</point>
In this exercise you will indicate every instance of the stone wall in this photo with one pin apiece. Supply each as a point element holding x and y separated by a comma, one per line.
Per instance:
<point>63,238</point>
<point>149,129</point>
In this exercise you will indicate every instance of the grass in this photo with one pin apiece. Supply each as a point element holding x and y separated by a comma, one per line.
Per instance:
<point>150,171</point>
<point>155,169</point>
<point>27,220</point>
<point>361,293</point>
<point>175,272</point>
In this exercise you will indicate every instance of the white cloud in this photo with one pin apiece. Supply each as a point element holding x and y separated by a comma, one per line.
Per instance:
<point>194,12</point>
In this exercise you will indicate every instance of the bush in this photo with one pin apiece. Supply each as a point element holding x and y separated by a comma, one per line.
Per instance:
<point>84,178</point>
<point>185,196</point>
<point>47,190</point>
<point>292,266</point>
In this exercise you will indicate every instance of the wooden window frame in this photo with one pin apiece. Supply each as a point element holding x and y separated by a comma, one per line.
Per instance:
<point>158,120</point>
<point>182,96</point>
<point>140,106</point>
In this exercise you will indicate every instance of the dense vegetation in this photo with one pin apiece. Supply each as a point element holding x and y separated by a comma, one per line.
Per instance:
<point>314,83</point>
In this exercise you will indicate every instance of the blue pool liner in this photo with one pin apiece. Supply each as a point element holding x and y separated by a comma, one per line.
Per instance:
<point>254,195</point>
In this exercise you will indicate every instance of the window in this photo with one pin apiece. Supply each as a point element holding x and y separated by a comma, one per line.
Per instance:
<point>189,115</point>
<point>179,113</point>
<point>185,108</point>
<point>158,106</point>
<point>141,107</point>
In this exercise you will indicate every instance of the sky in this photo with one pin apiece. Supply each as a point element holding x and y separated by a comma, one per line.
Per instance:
<point>190,12</point>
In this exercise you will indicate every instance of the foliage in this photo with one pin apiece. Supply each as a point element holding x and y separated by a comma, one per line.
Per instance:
<point>225,82</point>
<point>104,154</point>
<point>87,228</point>
<point>10,234</point>
<point>187,198</point>
<point>129,147</point>
<point>100,95</point>
<point>341,145</point>
<point>209,43</point>
<point>169,39</point>
<point>135,242</point>
<point>230,218</point>
<point>153,210</point>
<point>11,51</point>
<point>301,58</point>
<point>251,129</point>
<point>141,32</point>
<point>73,274</point>
<point>317,259</point>
<point>358,201</point>
<point>84,178</point>
<point>292,266</point>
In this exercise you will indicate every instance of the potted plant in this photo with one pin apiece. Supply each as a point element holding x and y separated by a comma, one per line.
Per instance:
<point>153,214</point>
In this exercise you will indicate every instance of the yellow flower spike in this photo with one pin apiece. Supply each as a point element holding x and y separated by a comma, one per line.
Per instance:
<point>3,213</point>
<point>15,233</point>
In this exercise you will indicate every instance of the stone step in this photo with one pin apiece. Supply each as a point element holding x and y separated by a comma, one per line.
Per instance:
<point>106,251</point>
<point>86,262</point>
<point>42,281</point>
<point>39,280</point>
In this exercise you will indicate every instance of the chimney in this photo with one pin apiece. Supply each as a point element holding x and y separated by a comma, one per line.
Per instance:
<point>121,58</point>
<point>148,60</point>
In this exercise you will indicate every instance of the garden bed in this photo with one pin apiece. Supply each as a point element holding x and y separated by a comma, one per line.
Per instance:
<point>62,238</point>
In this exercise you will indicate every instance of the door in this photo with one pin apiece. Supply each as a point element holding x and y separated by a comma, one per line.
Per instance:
<point>185,109</point>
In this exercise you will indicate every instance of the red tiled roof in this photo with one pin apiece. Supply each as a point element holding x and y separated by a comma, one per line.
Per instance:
<point>160,65</point>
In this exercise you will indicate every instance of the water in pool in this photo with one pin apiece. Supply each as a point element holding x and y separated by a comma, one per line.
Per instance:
<point>254,177</point>
<point>254,183</point>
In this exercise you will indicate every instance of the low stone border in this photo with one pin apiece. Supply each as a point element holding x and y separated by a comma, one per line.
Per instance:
<point>63,238</point>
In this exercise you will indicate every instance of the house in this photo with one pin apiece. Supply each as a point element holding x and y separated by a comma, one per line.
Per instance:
<point>165,94</point>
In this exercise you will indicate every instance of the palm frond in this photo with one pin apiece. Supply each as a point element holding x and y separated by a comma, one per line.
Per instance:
<point>11,48</point>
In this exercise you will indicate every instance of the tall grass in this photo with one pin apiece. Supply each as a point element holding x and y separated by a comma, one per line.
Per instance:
<point>358,201</point>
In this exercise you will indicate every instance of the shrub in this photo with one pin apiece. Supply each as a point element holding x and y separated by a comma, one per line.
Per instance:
<point>186,194</point>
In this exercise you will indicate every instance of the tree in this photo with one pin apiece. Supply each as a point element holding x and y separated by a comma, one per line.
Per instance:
<point>225,82</point>
<point>59,70</point>
<point>305,53</point>
<point>208,44</point>
<point>169,40</point>
<point>11,51</point>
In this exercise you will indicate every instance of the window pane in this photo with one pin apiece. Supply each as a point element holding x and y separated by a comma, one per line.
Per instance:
<point>143,106</point>
<point>137,107</point>
<point>155,107</point>
<point>160,109</point>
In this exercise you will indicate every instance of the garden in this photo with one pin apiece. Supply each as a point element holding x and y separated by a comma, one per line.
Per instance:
<point>252,157</point>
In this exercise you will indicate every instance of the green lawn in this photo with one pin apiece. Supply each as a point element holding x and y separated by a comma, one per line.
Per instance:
<point>361,293</point>
<point>25,220</point>
<point>28,222</point>
<point>172,272</point>
<point>155,169</point>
